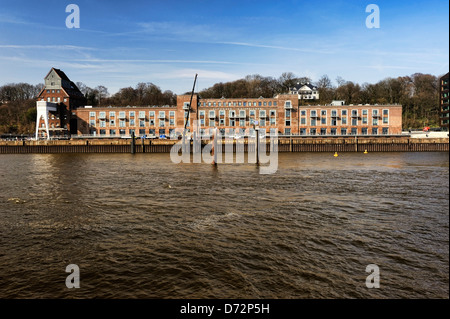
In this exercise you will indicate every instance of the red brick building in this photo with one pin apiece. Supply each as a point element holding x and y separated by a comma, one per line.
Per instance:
<point>64,104</point>
<point>280,114</point>
<point>62,92</point>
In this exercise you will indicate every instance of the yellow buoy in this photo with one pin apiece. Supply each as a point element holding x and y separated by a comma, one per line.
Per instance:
<point>336,154</point>
<point>365,152</point>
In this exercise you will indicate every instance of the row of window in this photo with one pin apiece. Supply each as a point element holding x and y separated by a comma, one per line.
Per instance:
<point>242,132</point>
<point>53,91</point>
<point>239,122</point>
<point>313,113</point>
<point>142,132</point>
<point>343,121</point>
<point>54,99</point>
<point>242,113</point>
<point>238,103</point>
<point>342,131</point>
<point>131,122</point>
<point>289,122</point>
<point>308,97</point>
<point>354,113</point>
<point>131,114</point>
<point>307,92</point>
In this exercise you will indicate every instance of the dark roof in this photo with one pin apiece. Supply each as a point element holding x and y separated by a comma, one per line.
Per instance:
<point>72,90</point>
<point>298,86</point>
<point>61,74</point>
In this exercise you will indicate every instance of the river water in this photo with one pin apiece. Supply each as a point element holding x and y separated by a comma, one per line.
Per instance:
<point>139,226</point>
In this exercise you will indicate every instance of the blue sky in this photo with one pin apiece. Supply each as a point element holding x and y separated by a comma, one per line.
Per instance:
<point>122,43</point>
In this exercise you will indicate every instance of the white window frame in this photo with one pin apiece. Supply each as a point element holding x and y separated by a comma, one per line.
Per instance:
<point>262,114</point>
<point>288,105</point>
<point>385,117</point>
<point>321,117</point>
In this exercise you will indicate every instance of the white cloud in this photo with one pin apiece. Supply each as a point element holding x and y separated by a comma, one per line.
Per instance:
<point>190,73</point>
<point>46,47</point>
<point>276,47</point>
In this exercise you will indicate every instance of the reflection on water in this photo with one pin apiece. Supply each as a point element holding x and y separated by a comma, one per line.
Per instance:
<point>142,227</point>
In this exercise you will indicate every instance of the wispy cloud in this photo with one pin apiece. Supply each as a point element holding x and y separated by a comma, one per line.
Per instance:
<point>172,29</point>
<point>276,47</point>
<point>46,47</point>
<point>49,62</point>
<point>189,73</point>
<point>164,61</point>
<point>10,19</point>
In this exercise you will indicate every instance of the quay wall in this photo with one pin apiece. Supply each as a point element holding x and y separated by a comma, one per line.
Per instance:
<point>384,144</point>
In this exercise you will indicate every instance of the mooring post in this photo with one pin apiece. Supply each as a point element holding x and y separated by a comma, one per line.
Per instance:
<point>133,149</point>
<point>257,145</point>
<point>356,144</point>
<point>214,146</point>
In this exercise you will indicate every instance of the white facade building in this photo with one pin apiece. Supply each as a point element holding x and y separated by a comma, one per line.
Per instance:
<point>305,91</point>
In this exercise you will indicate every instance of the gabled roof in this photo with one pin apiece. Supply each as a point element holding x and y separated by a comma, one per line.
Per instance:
<point>298,86</point>
<point>60,73</point>
<point>71,91</point>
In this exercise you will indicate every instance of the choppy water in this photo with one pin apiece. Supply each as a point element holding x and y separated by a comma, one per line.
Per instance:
<point>142,227</point>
